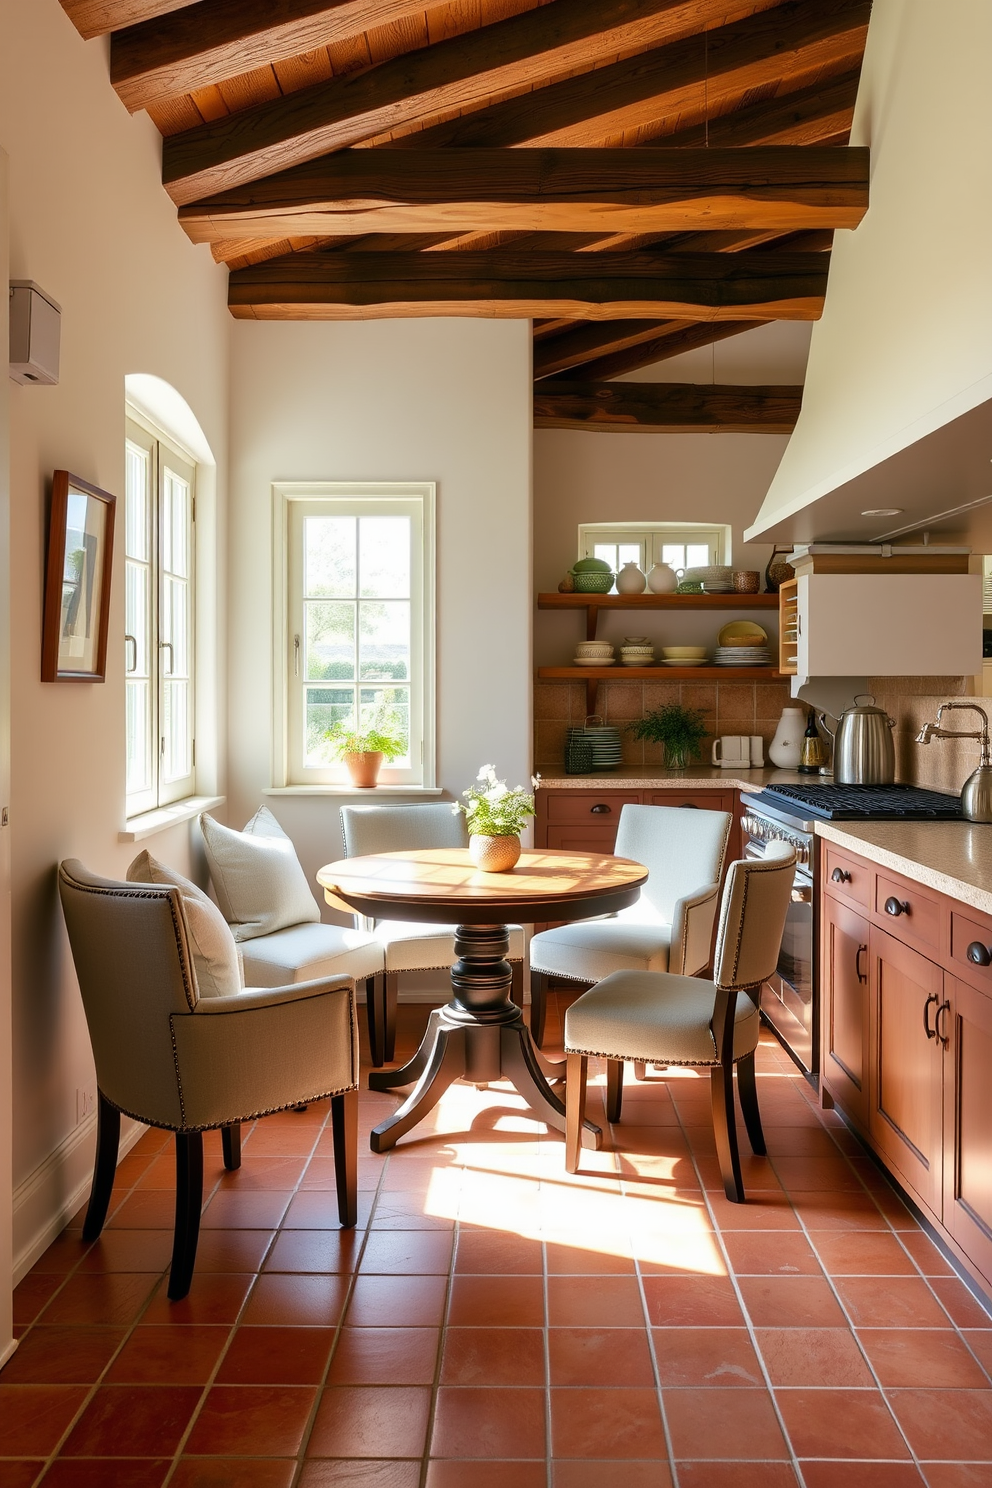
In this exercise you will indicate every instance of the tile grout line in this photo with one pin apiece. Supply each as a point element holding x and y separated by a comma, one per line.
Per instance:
<point>425,1458</point>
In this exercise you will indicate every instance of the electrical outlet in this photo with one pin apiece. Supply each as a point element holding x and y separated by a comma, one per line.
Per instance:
<point>85,1104</point>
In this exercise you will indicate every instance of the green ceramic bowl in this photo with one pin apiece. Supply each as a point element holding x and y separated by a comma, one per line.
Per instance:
<point>593,583</point>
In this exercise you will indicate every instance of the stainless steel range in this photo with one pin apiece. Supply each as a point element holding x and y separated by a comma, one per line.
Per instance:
<point>787,813</point>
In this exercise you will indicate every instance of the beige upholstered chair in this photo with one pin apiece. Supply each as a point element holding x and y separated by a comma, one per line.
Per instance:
<point>173,1058</point>
<point>666,1019</point>
<point>407,946</point>
<point>670,928</point>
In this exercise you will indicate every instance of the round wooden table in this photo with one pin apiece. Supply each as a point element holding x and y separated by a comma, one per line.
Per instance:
<point>480,1035</point>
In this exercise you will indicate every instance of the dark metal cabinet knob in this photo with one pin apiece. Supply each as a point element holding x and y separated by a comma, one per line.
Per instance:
<point>840,875</point>
<point>981,955</point>
<point>896,907</point>
<point>601,810</point>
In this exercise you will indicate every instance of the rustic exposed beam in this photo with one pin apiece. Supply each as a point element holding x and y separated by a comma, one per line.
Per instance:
<point>671,407</point>
<point>521,51</point>
<point>350,286</point>
<point>97,17</point>
<point>777,188</point>
<point>217,39</point>
<point>672,340</point>
<point>593,106</point>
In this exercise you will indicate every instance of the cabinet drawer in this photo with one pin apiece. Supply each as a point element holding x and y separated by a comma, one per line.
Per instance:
<point>598,808</point>
<point>907,911</point>
<point>964,933</point>
<point>700,800</point>
<point>846,878</point>
<point>581,838</point>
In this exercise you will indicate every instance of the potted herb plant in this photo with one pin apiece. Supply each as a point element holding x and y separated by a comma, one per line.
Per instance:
<point>363,747</point>
<point>495,816</point>
<point>679,729</point>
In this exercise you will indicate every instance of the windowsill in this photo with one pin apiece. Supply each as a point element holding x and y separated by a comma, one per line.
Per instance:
<point>163,817</point>
<point>352,791</point>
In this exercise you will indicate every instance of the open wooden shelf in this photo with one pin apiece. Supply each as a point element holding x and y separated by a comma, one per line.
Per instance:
<point>657,601</point>
<point>658,674</point>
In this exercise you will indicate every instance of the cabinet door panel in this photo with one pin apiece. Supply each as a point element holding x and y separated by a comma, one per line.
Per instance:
<point>968,1123</point>
<point>581,838</point>
<point>844,983</point>
<point>593,806</point>
<point>703,800</point>
<point>905,1115</point>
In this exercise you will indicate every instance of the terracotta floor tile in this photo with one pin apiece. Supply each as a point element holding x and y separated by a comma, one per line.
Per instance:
<point>315,1209</point>
<point>384,1356</point>
<point>214,1297</point>
<point>61,1355</point>
<point>33,1417</point>
<point>326,1252</point>
<point>692,1302</point>
<point>493,1356</point>
<point>980,1343</point>
<point>606,1423</point>
<point>144,1209</point>
<point>397,1302</point>
<point>736,1475</point>
<point>251,1421</point>
<point>829,1210</point>
<point>492,1253</point>
<point>813,1356</point>
<point>840,1423</point>
<point>790,1302</point>
<point>572,1260</point>
<point>408,1252</point>
<point>231,1250</point>
<point>924,1357</point>
<point>260,1172</point>
<point>296,1301</point>
<point>957,1475</point>
<point>898,1302</point>
<point>925,1253</point>
<point>133,1421</point>
<point>964,1309</point>
<point>168,1355</point>
<point>279,1140</point>
<point>764,1210</point>
<point>946,1425</point>
<point>328,1473</point>
<point>231,1209</point>
<point>100,1472</point>
<point>489,1422</point>
<point>105,1297</point>
<point>63,1255</point>
<point>594,1301</point>
<point>758,1174</point>
<point>706,1356</point>
<point>443,1473</point>
<point>368,1421</point>
<point>277,1356</point>
<point>861,1475</point>
<point>602,1474</point>
<point>406,1211</point>
<point>861,1253</point>
<point>496,1301</point>
<point>222,1472</point>
<point>129,1250</point>
<point>799,1174</point>
<point>756,1253</point>
<point>599,1356</point>
<point>738,1425</point>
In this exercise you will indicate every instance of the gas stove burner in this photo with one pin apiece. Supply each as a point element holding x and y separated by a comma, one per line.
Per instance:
<point>866,802</point>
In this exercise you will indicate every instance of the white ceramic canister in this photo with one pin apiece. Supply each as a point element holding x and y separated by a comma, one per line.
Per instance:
<point>630,580</point>
<point>663,579</point>
<point>785,750</point>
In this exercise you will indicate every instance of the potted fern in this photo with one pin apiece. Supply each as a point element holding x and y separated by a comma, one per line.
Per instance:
<point>495,816</point>
<point>679,729</point>
<point>363,747</point>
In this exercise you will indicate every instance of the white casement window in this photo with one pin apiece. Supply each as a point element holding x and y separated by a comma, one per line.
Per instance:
<point>679,544</point>
<point>159,616</point>
<point>356,643</point>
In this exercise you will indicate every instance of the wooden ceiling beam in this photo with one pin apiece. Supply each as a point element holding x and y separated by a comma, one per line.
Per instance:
<point>217,39</point>
<point>97,17</point>
<point>354,286</point>
<point>666,407</point>
<point>777,188</point>
<point>636,91</point>
<point>672,340</point>
<point>463,71</point>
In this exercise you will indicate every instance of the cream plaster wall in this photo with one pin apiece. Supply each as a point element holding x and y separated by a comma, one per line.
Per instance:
<point>441,400</point>
<point>905,341</point>
<point>6,1067</point>
<point>90,222</point>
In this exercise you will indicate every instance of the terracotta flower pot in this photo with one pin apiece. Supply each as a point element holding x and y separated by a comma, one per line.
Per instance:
<point>493,854</point>
<point>364,768</point>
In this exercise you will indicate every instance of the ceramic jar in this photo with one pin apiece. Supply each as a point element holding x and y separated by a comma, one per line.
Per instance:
<point>663,579</point>
<point>786,748</point>
<point>630,580</point>
<point>493,854</point>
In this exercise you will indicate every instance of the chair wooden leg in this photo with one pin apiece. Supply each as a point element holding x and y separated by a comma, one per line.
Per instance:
<point>189,1200</point>
<point>538,1005</point>
<point>344,1128</point>
<point>517,984</point>
<point>747,1093</point>
<point>577,1072</point>
<point>725,1130</point>
<point>108,1138</point>
<point>389,1015</point>
<point>230,1137</point>
<point>375,1012</point>
<point>640,1069</point>
<point>614,1089</point>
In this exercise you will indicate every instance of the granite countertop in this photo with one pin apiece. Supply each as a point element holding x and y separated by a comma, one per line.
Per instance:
<point>643,777</point>
<point>955,858</point>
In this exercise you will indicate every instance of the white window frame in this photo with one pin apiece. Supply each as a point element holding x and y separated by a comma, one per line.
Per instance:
<point>164,454</point>
<point>652,536</point>
<point>291,499</point>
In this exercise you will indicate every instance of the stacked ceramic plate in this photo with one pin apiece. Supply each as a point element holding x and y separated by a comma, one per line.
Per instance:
<point>604,740</point>
<point>594,653</point>
<point>716,578</point>
<point>742,656</point>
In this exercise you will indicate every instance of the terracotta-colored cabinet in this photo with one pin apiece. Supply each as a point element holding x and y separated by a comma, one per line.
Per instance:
<point>966,1023</point>
<point>844,979</point>
<point>586,820</point>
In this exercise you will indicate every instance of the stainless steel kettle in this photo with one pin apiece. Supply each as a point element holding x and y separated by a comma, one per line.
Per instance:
<point>864,751</point>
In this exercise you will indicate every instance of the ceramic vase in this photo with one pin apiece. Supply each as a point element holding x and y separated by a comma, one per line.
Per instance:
<point>364,768</point>
<point>493,854</point>
<point>662,579</point>
<point>786,748</point>
<point>630,580</point>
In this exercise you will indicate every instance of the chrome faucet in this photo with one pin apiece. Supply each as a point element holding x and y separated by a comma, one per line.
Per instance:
<point>976,793</point>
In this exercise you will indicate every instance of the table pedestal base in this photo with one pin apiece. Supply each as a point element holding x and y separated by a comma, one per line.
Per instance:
<point>480,1036</point>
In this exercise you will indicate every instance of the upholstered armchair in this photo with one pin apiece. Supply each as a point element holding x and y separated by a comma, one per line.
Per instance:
<point>170,1056</point>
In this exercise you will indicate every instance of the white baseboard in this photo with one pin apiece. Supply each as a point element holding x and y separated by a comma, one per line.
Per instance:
<point>46,1199</point>
<point>6,1353</point>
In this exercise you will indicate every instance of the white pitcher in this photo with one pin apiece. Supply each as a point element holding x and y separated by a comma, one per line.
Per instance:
<point>785,750</point>
<point>662,579</point>
<point>630,580</point>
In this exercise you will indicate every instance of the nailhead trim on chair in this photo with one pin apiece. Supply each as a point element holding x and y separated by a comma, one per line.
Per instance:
<point>250,1116</point>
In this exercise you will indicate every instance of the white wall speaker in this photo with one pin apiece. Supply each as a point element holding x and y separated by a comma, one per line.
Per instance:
<point>35,331</point>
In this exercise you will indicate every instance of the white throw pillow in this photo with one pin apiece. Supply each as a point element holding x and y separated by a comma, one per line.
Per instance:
<point>257,877</point>
<point>216,958</point>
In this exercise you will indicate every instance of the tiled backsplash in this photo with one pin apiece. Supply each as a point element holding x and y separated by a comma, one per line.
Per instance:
<point>728,708</point>
<point>944,764</point>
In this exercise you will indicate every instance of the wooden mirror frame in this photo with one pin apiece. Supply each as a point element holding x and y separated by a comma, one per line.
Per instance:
<point>63,484</point>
